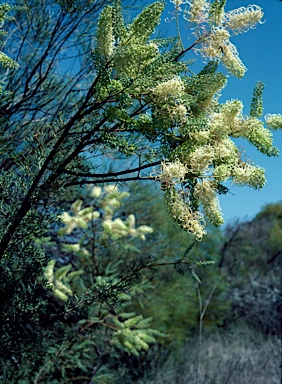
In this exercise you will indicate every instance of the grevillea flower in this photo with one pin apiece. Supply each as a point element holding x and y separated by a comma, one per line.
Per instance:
<point>178,3</point>
<point>172,173</point>
<point>242,19</point>
<point>212,46</point>
<point>192,222</point>
<point>232,61</point>
<point>274,121</point>
<point>197,11</point>
<point>207,196</point>
<point>172,88</point>
<point>226,122</point>
<point>246,174</point>
<point>105,38</point>
<point>225,151</point>
<point>222,172</point>
<point>201,158</point>
<point>253,129</point>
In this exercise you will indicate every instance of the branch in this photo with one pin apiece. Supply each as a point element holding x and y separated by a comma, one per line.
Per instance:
<point>112,174</point>
<point>113,180</point>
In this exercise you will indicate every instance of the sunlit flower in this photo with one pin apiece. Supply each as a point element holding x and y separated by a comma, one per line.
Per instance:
<point>197,11</point>
<point>172,88</point>
<point>178,113</point>
<point>226,151</point>
<point>274,121</point>
<point>242,19</point>
<point>212,46</point>
<point>192,222</point>
<point>222,172</point>
<point>172,173</point>
<point>253,129</point>
<point>200,137</point>
<point>207,195</point>
<point>218,46</point>
<point>178,3</point>
<point>201,158</point>
<point>246,174</point>
<point>231,60</point>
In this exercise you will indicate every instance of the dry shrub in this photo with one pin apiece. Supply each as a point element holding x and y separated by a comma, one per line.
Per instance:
<point>237,356</point>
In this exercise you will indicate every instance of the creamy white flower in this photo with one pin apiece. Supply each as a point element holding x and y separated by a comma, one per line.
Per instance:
<point>209,200</point>
<point>198,11</point>
<point>192,222</point>
<point>178,3</point>
<point>172,172</point>
<point>231,60</point>
<point>212,46</point>
<point>246,174</point>
<point>274,121</point>
<point>201,158</point>
<point>172,88</point>
<point>242,19</point>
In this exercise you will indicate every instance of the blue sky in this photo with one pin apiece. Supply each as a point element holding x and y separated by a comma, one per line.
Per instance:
<point>261,52</point>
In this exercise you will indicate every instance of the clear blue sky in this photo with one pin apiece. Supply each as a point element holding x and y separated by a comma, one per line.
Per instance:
<point>261,51</point>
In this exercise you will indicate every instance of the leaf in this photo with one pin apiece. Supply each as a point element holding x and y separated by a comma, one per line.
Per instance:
<point>188,250</point>
<point>179,269</point>
<point>256,109</point>
<point>144,24</point>
<point>195,276</point>
<point>62,272</point>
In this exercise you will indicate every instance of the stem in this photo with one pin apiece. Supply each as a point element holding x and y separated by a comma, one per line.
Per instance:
<point>178,29</point>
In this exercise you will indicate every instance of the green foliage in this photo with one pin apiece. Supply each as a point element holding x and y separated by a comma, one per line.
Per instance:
<point>79,299</point>
<point>257,102</point>
<point>91,291</point>
<point>216,11</point>
<point>5,61</point>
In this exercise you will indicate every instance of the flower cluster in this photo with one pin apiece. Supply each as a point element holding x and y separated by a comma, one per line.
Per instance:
<point>218,46</point>
<point>227,121</point>
<point>197,11</point>
<point>117,228</point>
<point>192,222</point>
<point>232,61</point>
<point>201,158</point>
<point>216,43</point>
<point>225,152</point>
<point>171,173</point>
<point>206,193</point>
<point>168,96</point>
<point>246,174</point>
<point>274,121</point>
<point>105,38</point>
<point>172,88</point>
<point>242,19</point>
<point>253,129</point>
<point>178,3</point>
<point>212,46</point>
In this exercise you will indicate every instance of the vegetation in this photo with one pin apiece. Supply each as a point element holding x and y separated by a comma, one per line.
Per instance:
<point>85,275</point>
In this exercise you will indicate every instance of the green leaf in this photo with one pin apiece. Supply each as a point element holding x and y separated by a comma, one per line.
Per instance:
<point>188,250</point>
<point>144,24</point>
<point>62,272</point>
<point>179,269</point>
<point>256,109</point>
